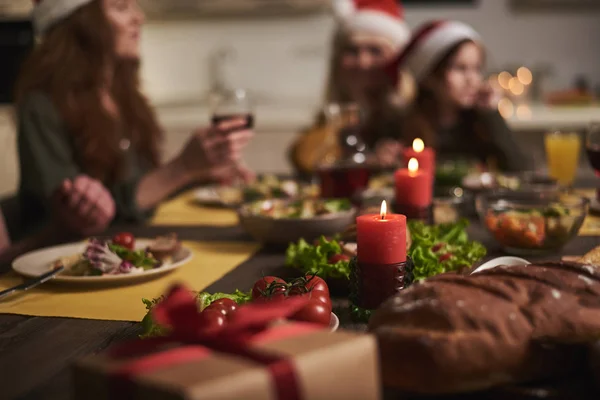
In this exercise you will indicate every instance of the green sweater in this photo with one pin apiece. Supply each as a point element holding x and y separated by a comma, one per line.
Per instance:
<point>48,156</point>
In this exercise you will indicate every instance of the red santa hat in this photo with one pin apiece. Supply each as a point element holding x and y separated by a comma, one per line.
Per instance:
<point>430,43</point>
<point>381,17</point>
<point>47,12</point>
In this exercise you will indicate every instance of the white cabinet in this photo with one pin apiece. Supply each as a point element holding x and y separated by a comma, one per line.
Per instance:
<point>15,8</point>
<point>267,153</point>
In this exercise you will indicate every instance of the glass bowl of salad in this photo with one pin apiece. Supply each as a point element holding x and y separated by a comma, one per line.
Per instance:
<point>284,221</point>
<point>531,222</point>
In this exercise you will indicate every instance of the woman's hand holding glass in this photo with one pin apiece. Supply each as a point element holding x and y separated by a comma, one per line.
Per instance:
<point>215,153</point>
<point>489,97</point>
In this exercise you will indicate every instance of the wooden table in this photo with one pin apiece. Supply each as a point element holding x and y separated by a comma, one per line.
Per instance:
<point>35,352</point>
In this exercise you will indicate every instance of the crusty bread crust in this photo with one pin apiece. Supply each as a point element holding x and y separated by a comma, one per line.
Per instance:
<point>509,324</point>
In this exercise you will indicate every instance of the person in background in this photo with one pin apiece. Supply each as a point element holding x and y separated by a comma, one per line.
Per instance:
<point>369,35</point>
<point>81,112</point>
<point>455,109</point>
<point>81,205</point>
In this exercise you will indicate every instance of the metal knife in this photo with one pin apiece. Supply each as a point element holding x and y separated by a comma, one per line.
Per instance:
<point>32,283</point>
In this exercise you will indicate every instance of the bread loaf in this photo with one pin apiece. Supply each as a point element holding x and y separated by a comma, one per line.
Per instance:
<point>508,324</point>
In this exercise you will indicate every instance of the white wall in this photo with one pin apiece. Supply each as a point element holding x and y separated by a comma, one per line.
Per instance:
<point>287,57</point>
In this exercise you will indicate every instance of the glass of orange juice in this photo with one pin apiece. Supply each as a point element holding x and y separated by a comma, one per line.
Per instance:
<point>562,156</point>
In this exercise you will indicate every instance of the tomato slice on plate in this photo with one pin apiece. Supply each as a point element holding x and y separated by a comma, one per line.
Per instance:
<point>124,239</point>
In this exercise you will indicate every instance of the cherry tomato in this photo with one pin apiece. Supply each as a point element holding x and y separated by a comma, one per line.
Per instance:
<point>124,239</point>
<point>316,283</point>
<point>445,257</point>
<point>297,290</point>
<point>260,286</point>
<point>228,304</point>
<point>334,259</point>
<point>220,308</point>
<point>315,312</point>
<point>212,320</point>
<point>321,297</point>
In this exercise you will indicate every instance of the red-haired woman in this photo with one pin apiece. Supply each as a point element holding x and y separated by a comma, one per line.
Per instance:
<point>80,111</point>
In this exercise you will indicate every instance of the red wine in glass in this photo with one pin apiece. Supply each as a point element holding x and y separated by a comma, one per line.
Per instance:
<point>344,181</point>
<point>592,147</point>
<point>593,152</point>
<point>218,118</point>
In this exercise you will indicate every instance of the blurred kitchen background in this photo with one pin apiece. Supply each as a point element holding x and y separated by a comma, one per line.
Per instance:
<point>279,50</point>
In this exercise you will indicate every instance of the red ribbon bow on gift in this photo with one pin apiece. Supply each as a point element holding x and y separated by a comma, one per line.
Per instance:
<point>179,312</point>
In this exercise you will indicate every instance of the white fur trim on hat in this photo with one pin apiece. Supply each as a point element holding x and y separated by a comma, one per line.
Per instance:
<point>433,46</point>
<point>343,9</point>
<point>379,23</point>
<point>49,12</point>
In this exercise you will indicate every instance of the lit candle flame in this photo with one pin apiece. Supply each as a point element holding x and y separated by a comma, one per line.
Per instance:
<point>383,211</point>
<point>413,165</point>
<point>418,145</point>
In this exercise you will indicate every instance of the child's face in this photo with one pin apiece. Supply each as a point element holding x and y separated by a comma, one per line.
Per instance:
<point>462,80</point>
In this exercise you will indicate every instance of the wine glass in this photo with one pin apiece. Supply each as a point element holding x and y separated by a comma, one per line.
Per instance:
<point>232,104</point>
<point>592,147</point>
<point>342,166</point>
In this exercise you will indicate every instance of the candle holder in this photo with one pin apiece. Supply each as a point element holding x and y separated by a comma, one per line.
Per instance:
<point>424,214</point>
<point>372,284</point>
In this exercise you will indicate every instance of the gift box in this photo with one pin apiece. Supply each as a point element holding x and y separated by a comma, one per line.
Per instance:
<point>250,358</point>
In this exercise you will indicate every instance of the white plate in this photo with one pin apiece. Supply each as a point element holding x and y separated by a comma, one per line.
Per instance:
<point>495,262</point>
<point>480,181</point>
<point>211,196</point>
<point>38,262</point>
<point>334,322</point>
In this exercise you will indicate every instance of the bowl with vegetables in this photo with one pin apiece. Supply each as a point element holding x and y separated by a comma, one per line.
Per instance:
<point>284,221</point>
<point>531,222</point>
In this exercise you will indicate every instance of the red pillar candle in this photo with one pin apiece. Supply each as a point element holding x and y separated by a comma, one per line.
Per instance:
<point>413,186</point>
<point>381,238</point>
<point>424,155</point>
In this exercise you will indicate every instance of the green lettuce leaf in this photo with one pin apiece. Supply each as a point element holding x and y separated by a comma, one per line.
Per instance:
<point>138,258</point>
<point>436,249</point>
<point>314,260</point>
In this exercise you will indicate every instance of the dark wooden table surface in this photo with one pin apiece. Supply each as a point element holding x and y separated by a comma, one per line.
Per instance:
<point>36,352</point>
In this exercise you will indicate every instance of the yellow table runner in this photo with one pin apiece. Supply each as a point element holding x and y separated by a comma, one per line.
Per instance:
<point>591,225</point>
<point>185,211</point>
<point>211,260</point>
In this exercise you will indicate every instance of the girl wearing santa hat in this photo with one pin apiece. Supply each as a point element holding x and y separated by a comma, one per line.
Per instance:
<point>80,111</point>
<point>455,110</point>
<point>369,35</point>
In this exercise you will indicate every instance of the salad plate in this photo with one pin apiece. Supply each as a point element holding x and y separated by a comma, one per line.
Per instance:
<point>265,188</point>
<point>39,262</point>
<point>334,323</point>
